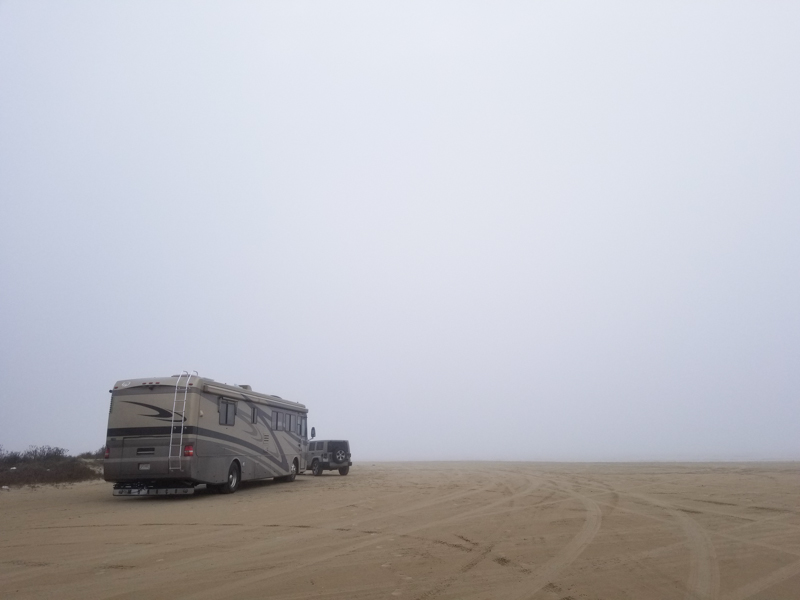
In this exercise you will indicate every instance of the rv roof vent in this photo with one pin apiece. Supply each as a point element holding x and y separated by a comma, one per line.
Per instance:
<point>246,387</point>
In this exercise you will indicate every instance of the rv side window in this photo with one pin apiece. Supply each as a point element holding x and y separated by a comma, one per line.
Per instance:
<point>227,412</point>
<point>274,420</point>
<point>290,422</point>
<point>255,415</point>
<point>279,427</point>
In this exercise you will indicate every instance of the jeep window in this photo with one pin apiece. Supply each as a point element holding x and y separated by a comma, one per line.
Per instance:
<point>227,412</point>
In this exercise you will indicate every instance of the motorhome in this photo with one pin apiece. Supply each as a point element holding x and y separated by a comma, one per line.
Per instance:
<point>166,435</point>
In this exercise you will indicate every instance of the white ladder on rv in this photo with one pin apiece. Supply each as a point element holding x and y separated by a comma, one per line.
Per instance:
<point>177,423</point>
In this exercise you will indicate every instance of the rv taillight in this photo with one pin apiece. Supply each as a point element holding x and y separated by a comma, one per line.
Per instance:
<point>188,451</point>
<point>106,453</point>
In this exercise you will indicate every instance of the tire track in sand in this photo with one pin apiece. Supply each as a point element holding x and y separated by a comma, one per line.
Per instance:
<point>703,580</point>
<point>766,582</point>
<point>544,574</point>
<point>228,589</point>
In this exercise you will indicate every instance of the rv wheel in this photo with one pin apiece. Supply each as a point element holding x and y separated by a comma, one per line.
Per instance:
<point>344,470</point>
<point>293,473</point>
<point>232,484</point>
<point>316,468</point>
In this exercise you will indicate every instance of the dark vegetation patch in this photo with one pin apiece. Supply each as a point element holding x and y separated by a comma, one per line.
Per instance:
<point>99,453</point>
<point>39,465</point>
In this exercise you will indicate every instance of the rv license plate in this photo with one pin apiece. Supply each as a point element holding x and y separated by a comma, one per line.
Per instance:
<point>144,466</point>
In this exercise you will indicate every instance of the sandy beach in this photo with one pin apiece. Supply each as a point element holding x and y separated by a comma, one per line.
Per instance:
<point>421,531</point>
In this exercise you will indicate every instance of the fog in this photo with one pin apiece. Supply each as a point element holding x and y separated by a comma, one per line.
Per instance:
<point>459,231</point>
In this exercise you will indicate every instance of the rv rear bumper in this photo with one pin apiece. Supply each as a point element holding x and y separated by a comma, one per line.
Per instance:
<point>127,470</point>
<point>138,490</point>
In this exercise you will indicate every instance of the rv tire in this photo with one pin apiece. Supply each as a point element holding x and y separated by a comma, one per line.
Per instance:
<point>293,475</point>
<point>316,468</point>
<point>234,477</point>
<point>344,470</point>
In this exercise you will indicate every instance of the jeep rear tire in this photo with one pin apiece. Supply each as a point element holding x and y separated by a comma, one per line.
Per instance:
<point>316,468</point>
<point>344,470</point>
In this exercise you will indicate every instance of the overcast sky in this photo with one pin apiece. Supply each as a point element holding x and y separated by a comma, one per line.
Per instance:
<point>497,230</point>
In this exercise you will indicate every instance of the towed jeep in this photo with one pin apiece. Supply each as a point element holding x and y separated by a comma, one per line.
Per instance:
<point>329,455</point>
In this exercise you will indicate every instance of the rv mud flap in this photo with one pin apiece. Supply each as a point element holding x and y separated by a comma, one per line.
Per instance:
<point>180,491</point>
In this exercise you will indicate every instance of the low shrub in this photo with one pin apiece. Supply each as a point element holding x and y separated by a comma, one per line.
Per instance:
<point>42,465</point>
<point>100,453</point>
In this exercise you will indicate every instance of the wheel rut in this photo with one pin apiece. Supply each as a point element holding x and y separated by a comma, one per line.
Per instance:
<point>543,575</point>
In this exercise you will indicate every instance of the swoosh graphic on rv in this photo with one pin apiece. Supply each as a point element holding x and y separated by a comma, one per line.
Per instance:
<point>191,430</point>
<point>162,414</point>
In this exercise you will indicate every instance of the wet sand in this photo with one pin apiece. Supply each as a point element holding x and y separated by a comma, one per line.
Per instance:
<point>421,531</point>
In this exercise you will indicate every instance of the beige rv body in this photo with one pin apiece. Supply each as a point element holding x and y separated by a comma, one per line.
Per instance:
<point>176,432</point>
